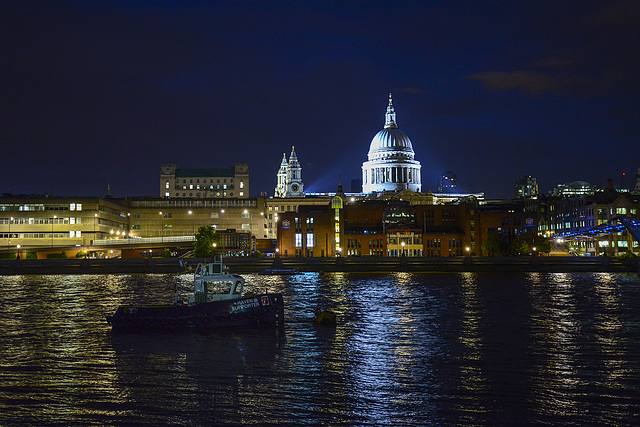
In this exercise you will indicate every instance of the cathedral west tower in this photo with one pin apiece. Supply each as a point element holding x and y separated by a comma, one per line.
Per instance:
<point>289,176</point>
<point>391,165</point>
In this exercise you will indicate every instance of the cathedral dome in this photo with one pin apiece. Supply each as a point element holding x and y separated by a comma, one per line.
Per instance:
<point>391,165</point>
<point>388,141</point>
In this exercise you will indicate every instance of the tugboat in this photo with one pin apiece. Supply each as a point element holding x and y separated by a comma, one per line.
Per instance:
<point>217,302</point>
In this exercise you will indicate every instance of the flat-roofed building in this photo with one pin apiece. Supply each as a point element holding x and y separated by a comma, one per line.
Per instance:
<point>38,221</point>
<point>223,183</point>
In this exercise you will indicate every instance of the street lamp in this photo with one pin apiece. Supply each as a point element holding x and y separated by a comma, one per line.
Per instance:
<point>95,218</point>
<point>162,228</point>
<point>193,223</point>
<point>18,246</point>
<point>402,244</point>
<point>226,226</point>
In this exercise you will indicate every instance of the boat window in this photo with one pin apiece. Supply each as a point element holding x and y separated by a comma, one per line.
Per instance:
<point>219,287</point>
<point>238,289</point>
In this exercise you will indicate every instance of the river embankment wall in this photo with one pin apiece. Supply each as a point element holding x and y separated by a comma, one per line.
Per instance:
<point>364,264</point>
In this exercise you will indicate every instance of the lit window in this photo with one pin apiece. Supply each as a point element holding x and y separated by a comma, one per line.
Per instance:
<point>298,240</point>
<point>241,193</point>
<point>166,185</point>
<point>309,240</point>
<point>72,207</point>
<point>246,226</point>
<point>241,184</point>
<point>167,194</point>
<point>79,207</point>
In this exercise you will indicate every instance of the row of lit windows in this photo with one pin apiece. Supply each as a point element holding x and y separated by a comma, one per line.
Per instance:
<point>197,187</point>
<point>204,180</point>
<point>404,252</point>
<point>40,221</point>
<point>39,207</point>
<point>70,234</point>
<point>218,194</point>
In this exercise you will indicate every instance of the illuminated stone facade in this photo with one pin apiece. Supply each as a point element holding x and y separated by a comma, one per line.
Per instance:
<point>391,165</point>
<point>179,183</point>
<point>289,177</point>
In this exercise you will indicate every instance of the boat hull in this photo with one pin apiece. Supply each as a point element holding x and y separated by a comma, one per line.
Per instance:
<point>266,310</point>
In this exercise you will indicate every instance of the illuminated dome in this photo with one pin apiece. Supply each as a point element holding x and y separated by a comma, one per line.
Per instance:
<point>391,165</point>
<point>390,142</point>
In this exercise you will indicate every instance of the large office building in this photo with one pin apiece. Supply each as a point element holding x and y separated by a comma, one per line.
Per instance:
<point>391,165</point>
<point>184,183</point>
<point>526,188</point>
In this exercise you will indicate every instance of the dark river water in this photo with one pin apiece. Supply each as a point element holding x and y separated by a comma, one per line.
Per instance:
<point>409,349</point>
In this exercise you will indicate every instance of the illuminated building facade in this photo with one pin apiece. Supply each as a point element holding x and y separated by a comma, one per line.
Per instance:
<point>49,223</point>
<point>310,232</point>
<point>576,214</point>
<point>289,177</point>
<point>391,165</point>
<point>527,188</point>
<point>576,188</point>
<point>180,183</point>
<point>380,229</point>
<point>52,224</point>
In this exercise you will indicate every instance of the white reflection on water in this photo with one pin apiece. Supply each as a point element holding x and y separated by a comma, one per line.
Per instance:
<point>556,330</point>
<point>609,330</point>
<point>472,380</point>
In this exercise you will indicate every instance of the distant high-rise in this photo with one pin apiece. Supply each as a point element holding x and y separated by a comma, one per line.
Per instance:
<point>527,188</point>
<point>636,190</point>
<point>448,183</point>
<point>576,188</point>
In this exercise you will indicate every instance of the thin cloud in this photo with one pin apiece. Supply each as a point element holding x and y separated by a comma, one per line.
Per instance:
<point>529,82</point>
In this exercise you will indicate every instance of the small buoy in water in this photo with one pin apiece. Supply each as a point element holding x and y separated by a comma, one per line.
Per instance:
<point>324,317</point>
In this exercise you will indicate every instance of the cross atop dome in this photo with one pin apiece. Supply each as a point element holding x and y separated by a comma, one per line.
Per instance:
<point>390,116</point>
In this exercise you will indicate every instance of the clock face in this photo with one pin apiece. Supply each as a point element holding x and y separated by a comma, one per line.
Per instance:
<point>294,187</point>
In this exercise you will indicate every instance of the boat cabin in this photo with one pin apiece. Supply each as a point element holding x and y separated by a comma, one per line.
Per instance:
<point>212,283</point>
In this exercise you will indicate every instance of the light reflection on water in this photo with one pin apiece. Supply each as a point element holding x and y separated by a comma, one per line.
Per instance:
<point>416,349</point>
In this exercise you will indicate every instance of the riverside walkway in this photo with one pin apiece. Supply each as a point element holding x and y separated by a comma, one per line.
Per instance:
<point>363,264</point>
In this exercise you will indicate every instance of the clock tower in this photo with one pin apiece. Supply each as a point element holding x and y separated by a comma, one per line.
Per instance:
<point>290,177</point>
<point>294,176</point>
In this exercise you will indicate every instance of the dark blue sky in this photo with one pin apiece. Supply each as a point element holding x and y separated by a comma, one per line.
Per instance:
<point>97,93</point>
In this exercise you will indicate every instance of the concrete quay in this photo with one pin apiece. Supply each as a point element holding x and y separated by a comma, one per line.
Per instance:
<point>359,264</point>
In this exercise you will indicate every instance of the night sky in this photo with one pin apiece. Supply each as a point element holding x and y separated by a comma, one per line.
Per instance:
<point>96,93</point>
